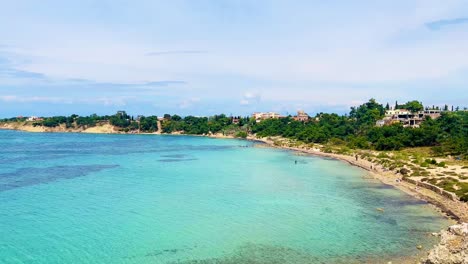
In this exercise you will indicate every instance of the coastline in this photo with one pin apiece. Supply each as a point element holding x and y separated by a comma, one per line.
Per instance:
<point>455,209</point>
<point>447,206</point>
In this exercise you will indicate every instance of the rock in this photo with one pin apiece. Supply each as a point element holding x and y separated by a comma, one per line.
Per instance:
<point>419,247</point>
<point>435,234</point>
<point>459,230</point>
<point>453,246</point>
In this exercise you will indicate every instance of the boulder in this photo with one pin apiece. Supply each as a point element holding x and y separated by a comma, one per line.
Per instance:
<point>453,246</point>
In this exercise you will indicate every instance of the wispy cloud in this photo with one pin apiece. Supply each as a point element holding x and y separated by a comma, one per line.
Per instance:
<point>116,85</point>
<point>107,101</point>
<point>164,83</point>
<point>8,69</point>
<point>250,97</point>
<point>175,52</point>
<point>14,73</point>
<point>439,24</point>
<point>29,99</point>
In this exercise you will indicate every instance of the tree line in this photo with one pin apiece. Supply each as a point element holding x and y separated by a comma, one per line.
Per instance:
<point>447,135</point>
<point>121,120</point>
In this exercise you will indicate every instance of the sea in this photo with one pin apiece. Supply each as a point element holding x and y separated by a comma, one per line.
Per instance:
<point>98,198</point>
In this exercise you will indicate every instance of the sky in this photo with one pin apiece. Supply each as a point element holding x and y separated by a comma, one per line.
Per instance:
<point>229,56</point>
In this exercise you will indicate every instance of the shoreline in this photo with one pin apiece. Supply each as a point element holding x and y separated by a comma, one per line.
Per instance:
<point>454,209</point>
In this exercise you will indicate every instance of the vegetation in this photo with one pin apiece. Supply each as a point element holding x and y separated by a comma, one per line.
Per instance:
<point>121,120</point>
<point>204,125</point>
<point>447,135</point>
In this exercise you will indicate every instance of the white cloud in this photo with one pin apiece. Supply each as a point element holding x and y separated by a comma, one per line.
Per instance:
<point>250,97</point>
<point>350,48</point>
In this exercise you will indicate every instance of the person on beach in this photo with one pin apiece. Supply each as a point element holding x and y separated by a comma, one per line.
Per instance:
<point>356,157</point>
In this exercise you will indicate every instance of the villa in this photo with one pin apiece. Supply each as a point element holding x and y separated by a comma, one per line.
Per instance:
<point>34,118</point>
<point>259,116</point>
<point>301,116</point>
<point>406,117</point>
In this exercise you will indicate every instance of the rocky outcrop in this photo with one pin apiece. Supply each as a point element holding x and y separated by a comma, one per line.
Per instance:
<point>453,246</point>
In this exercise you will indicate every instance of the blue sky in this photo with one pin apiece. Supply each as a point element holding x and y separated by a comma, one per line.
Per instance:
<point>211,56</point>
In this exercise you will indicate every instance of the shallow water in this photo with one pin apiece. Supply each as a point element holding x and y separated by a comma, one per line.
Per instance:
<point>80,198</point>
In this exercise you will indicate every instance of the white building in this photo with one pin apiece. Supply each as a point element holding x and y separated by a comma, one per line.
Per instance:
<point>262,116</point>
<point>32,118</point>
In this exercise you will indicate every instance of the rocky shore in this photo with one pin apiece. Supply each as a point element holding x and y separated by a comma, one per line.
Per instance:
<point>453,246</point>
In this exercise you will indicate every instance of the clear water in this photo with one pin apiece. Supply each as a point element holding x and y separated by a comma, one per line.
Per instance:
<point>80,198</point>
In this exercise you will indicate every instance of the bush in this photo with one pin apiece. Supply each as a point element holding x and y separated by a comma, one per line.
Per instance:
<point>404,171</point>
<point>241,134</point>
<point>441,164</point>
<point>464,198</point>
<point>328,149</point>
<point>424,164</point>
<point>431,161</point>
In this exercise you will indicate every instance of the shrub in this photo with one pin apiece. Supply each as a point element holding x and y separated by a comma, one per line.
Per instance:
<point>404,171</point>
<point>441,164</point>
<point>328,149</point>
<point>241,134</point>
<point>424,164</point>
<point>464,198</point>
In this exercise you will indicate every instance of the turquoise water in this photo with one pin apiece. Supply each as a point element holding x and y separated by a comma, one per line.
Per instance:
<point>80,198</point>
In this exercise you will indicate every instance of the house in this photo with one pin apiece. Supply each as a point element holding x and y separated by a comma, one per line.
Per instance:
<point>301,116</point>
<point>406,117</point>
<point>235,120</point>
<point>34,118</point>
<point>396,112</point>
<point>432,113</point>
<point>259,116</point>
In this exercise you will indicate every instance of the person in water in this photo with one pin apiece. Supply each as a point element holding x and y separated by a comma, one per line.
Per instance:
<point>295,162</point>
